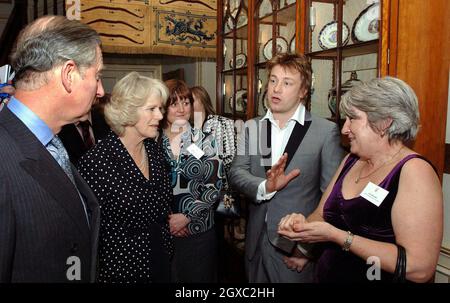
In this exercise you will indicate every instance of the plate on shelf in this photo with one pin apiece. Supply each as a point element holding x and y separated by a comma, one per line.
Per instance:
<point>241,100</point>
<point>328,35</point>
<point>282,47</point>
<point>241,60</point>
<point>241,20</point>
<point>228,25</point>
<point>292,45</point>
<point>367,25</point>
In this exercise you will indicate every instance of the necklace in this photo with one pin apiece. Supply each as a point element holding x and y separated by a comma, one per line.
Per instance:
<point>144,161</point>
<point>382,165</point>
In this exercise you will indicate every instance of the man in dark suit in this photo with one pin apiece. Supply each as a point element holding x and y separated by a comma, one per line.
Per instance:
<point>288,138</point>
<point>49,218</point>
<point>80,137</point>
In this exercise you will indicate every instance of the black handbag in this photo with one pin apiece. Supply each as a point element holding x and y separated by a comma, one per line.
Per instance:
<point>229,204</point>
<point>400,267</point>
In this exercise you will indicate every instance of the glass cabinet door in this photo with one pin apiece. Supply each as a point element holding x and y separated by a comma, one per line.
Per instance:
<point>342,40</point>
<point>234,70</point>
<point>275,31</point>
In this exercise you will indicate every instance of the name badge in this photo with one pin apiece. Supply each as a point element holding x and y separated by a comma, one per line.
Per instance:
<point>195,151</point>
<point>374,194</point>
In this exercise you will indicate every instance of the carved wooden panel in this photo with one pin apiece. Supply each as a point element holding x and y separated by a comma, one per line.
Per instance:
<point>118,24</point>
<point>173,27</point>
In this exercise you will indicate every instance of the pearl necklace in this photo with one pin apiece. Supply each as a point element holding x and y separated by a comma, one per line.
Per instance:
<point>359,178</point>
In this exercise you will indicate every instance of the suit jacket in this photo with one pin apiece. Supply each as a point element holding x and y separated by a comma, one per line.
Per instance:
<point>72,140</point>
<point>317,157</point>
<point>43,225</point>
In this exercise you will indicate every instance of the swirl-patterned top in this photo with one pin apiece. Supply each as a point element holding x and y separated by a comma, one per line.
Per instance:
<point>196,182</point>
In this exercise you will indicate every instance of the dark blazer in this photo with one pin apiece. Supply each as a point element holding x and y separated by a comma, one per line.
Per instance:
<point>42,221</point>
<point>72,140</point>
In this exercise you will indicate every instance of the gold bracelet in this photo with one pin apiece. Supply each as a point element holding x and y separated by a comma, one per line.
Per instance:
<point>348,241</point>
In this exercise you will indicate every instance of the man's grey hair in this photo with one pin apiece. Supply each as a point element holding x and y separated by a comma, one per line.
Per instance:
<point>383,99</point>
<point>47,43</point>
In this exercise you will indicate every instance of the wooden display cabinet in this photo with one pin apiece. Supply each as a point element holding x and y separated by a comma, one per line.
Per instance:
<point>412,45</point>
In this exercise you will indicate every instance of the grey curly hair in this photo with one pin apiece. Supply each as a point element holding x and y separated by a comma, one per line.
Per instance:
<point>382,99</point>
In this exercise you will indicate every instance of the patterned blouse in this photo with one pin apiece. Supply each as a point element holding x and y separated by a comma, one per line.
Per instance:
<point>135,242</point>
<point>196,182</point>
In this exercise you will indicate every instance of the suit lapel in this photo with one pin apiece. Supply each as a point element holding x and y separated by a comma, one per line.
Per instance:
<point>41,166</point>
<point>296,138</point>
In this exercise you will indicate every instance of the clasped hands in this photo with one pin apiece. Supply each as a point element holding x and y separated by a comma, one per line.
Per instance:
<point>178,225</point>
<point>296,228</point>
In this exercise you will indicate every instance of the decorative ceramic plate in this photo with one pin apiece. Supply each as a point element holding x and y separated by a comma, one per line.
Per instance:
<point>228,25</point>
<point>241,20</point>
<point>367,25</point>
<point>241,60</point>
<point>241,100</point>
<point>292,45</point>
<point>282,47</point>
<point>328,35</point>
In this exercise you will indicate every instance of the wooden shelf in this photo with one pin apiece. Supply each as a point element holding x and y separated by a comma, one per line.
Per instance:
<point>238,115</point>
<point>239,71</point>
<point>326,1</point>
<point>356,49</point>
<point>241,33</point>
<point>284,16</point>
<point>261,64</point>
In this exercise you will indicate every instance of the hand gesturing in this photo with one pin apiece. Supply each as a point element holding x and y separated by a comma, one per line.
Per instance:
<point>276,179</point>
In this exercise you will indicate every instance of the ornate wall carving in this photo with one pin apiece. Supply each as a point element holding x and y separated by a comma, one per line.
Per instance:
<point>171,27</point>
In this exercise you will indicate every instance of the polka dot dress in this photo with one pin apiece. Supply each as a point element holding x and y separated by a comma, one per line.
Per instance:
<point>135,244</point>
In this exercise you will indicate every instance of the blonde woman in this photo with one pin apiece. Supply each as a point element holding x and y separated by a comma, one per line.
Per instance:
<point>127,173</point>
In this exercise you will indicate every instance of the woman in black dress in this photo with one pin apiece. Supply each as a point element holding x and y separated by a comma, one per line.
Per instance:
<point>127,173</point>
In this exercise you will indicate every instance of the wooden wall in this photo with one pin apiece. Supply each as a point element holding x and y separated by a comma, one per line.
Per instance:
<point>422,59</point>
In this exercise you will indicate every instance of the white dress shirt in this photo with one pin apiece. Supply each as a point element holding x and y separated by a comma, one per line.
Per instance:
<point>279,140</point>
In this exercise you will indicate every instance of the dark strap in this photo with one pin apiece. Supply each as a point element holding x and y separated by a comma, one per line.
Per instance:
<point>400,267</point>
<point>296,138</point>
<point>265,143</point>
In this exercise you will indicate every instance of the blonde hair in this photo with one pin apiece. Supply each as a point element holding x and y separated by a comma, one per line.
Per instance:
<point>130,93</point>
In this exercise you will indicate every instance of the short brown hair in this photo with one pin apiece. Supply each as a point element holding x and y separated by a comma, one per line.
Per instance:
<point>296,62</point>
<point>177,89</point>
